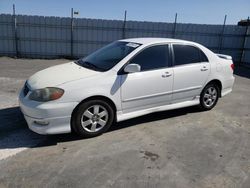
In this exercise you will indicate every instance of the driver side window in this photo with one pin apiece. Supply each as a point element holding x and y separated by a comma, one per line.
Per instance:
<point>155,57</point>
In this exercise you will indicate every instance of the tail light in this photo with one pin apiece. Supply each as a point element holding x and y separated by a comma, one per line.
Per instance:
<point>232,66</point>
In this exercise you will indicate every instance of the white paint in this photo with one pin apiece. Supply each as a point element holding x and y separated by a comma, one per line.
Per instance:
<point>59,74</point>
<point>18,141</point>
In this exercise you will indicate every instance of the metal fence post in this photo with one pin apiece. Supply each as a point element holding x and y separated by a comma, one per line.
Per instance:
<point>15,30</point>
<point>71,38</point>
<point>244,43</point>
<point>124,24</point>
<point>175,22</point>
<point>222,33</point>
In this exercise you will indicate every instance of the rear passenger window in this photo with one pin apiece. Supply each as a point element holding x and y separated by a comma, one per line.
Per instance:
<point>203,57</point>
<point>154,57</point>
<point>184,54</point>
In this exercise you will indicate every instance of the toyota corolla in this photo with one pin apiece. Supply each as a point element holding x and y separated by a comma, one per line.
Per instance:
<point>125,79</point>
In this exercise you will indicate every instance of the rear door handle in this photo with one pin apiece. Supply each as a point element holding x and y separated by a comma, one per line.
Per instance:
<point>167,74</point>
<point>204,69</point>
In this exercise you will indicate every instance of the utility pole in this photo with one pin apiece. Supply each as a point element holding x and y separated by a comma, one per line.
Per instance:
<point>244,43</point>
<point>175,23</point>
<point>222,33</point>
<point>72,32</point>
<point>15,30</point>
<point>124,24</point>
<point>71,38</point>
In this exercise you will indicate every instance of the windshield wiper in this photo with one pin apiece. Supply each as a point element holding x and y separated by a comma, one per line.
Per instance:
<point>87,64</point>
<point>78,62</point>
<point>93,66</point>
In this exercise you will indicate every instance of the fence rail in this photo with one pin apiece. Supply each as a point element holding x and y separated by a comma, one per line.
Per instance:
<point>55,37</point>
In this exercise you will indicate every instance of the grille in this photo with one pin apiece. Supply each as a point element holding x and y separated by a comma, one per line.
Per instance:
<point>25,89</point>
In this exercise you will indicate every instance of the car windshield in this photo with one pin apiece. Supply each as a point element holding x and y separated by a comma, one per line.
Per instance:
<point>108,56</point>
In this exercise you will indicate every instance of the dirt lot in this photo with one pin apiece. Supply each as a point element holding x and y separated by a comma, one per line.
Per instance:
<point>178,148</point>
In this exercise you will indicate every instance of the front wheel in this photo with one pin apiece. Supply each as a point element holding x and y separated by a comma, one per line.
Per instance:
<point>209,97</point>
<point>92,118</point>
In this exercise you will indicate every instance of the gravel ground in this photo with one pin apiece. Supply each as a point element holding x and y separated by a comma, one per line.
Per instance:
<point>178,148</point>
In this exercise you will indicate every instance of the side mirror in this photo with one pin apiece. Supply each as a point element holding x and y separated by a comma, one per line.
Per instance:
<point>130,68</point>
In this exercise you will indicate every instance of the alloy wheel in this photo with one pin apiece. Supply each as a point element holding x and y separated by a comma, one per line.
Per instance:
<point>94,118</point>
<point>210,96</point>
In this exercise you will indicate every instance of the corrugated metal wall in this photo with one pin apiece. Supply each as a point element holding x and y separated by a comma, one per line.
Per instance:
<point>50,37</point>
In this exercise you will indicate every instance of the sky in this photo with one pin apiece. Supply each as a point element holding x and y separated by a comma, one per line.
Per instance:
<point>189,11</point>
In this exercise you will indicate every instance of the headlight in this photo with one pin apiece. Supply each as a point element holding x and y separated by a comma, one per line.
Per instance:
<point>46,94</point>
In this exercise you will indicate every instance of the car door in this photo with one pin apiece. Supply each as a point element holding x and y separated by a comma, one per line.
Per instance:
<point>152,86</point>
<point>191,70</point>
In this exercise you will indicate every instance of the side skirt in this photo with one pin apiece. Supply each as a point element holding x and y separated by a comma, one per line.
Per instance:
<point>121,116</point>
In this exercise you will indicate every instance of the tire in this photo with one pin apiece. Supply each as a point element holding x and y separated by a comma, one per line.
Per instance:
<point>92,118</point>
<point>209,96</point>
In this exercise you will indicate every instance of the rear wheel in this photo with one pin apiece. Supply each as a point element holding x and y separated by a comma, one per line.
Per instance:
<point>92,118</point>
<point>209,96</point>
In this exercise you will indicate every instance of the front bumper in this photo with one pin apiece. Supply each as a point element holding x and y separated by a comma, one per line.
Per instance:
<point>47,118</point>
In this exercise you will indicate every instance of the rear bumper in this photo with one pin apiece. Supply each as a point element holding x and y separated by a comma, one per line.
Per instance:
<point>47,118</point>
<point>227,86</point>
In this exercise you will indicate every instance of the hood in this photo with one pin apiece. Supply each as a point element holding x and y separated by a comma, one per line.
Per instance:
<point>59,74</point>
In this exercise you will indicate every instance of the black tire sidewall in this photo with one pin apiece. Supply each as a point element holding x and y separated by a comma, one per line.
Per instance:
<point>76,123</point>
<point>202,105</point>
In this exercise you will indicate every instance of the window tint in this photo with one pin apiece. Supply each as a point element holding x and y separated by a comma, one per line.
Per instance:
<point>185,54</point>
<point>203,57</point>
<point>154,57</point>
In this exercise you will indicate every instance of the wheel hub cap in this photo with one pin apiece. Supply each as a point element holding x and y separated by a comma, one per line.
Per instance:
<point>95,118</point>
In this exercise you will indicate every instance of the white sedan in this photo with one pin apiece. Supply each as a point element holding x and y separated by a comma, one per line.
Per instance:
<point>125,79</point>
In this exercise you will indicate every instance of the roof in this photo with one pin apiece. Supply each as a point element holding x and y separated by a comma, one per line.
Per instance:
<point>153,40</point>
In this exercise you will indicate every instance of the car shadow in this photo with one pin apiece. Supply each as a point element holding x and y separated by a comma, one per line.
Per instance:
<point>156,116</point>
<point>11,119</point>
<point>54,139</point>
<point>14,132</point>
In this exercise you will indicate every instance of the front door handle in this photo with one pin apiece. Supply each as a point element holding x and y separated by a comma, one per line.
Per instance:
<point>167,74</point>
